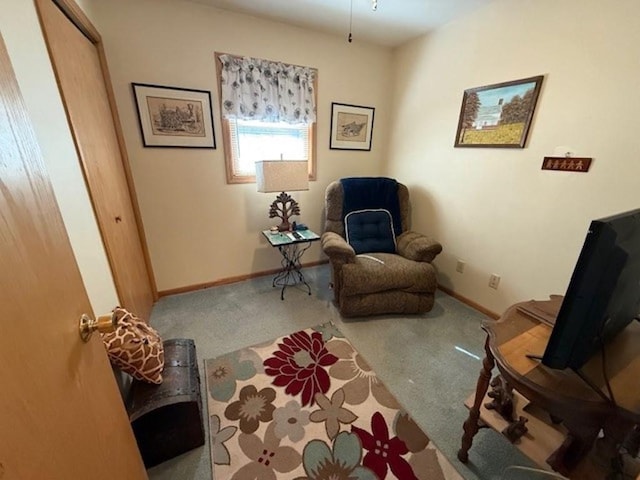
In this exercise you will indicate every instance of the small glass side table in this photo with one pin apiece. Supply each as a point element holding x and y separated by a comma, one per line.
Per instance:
<point>291,248</point>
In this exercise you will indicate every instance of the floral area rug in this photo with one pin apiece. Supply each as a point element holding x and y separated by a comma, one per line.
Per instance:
<point>307,406</point>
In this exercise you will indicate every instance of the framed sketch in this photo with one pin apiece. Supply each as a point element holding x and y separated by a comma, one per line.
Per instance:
<point>174,117</point>
<point>498,115</point>
<point>351,127</point>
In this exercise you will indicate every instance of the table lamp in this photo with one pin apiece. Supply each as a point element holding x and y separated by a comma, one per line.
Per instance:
<point>282,176</point>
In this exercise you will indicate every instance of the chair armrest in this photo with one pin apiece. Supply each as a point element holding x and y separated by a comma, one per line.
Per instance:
<point>337,247</point>
<point>417,247</point>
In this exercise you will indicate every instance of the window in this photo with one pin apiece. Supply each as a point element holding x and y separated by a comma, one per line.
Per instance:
<point>251,141</point>
<point>247,140</point>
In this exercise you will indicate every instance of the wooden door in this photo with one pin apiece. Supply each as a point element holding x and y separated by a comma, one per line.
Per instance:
<point>61,414</point>
<point>81,73</point>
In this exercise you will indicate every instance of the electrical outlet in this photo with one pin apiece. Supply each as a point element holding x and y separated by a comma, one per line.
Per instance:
<point>494,281</point>
<point>460,266</point>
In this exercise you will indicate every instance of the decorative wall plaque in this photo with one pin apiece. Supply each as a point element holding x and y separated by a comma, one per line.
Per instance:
<point>567,164</point>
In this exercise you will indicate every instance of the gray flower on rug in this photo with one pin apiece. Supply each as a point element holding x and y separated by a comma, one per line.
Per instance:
<point>332,413</point>
<point>290,421</point>
<point>328,331</point>
<point>252,408</point>
<point>223,373</point>
<point>219,453</point>
<point>340,463</point>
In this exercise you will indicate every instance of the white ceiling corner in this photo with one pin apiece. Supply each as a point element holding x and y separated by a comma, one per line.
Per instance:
<point>392,24</point>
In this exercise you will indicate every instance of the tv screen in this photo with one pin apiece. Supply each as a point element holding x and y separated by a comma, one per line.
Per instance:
<point>603,295</point>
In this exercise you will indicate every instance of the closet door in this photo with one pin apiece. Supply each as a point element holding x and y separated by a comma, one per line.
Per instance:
<point>78,60</point>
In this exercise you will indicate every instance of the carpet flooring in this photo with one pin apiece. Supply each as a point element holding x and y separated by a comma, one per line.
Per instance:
<point>431,374</point>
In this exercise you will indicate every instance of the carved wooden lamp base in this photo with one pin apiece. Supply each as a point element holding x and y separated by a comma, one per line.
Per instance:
<point>284,207</point>
<point>285,226</point>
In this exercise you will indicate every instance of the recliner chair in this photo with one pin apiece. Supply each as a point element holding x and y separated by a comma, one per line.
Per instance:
<point>378,264</point>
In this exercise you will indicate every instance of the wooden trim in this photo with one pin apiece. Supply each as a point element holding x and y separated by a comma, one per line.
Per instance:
<point>226,135</point>
<point>313,135</point>
<point>228,280</point>
<point>75,14</point>
<point>228,159</point>
<point>313,151</point>
<point>250,276</point>
<point>470,303</point>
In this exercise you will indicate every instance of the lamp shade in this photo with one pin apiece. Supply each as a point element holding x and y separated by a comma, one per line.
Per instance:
<point>282,175</point>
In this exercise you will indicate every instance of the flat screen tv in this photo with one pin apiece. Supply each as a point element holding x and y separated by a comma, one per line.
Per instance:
<point>603,296</point>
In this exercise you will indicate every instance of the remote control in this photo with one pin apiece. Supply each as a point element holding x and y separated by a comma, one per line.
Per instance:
<point>297,236</point>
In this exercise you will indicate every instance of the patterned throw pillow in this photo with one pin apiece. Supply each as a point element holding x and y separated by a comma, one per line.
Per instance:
<point>369,231</point>
<point>135,347</point>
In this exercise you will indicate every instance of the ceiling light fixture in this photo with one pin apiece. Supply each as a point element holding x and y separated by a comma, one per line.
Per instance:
<point>374,5</point>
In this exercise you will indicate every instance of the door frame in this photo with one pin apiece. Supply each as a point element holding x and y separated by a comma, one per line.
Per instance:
<point>75,14</point>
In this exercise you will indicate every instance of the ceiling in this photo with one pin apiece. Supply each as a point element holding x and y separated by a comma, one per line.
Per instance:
<point>393,23</point>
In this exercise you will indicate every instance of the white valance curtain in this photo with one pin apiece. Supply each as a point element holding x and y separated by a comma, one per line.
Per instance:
<point>256,89</point>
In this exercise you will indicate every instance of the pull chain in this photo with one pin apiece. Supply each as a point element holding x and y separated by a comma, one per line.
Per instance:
<point>350,38</point>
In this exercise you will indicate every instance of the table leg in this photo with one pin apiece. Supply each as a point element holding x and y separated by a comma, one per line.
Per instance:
<point>291,273</point>
<point>471,425</point>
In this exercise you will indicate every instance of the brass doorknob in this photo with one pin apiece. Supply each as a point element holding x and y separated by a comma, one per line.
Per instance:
<point>103,324</point>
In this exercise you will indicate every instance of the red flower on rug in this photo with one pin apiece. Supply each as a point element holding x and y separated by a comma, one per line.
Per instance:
<point>384,452</point>
<point>299,365</point>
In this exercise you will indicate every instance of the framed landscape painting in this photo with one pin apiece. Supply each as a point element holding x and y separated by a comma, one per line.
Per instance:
<point>174,117</point>
<point>351,127</point>
<point>498,115</point>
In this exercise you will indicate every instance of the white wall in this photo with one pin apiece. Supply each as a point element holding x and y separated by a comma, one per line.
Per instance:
<point>25,44</point>
<point>495,208</point>
<point>199,229</point>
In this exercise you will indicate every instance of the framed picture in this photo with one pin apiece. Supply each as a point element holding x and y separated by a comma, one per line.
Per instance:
<point>351,127</point>
<point>174,117</point>
<point>498,115</point>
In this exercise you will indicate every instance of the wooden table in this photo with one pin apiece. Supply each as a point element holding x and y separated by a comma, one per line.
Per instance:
<point>583,412</point>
